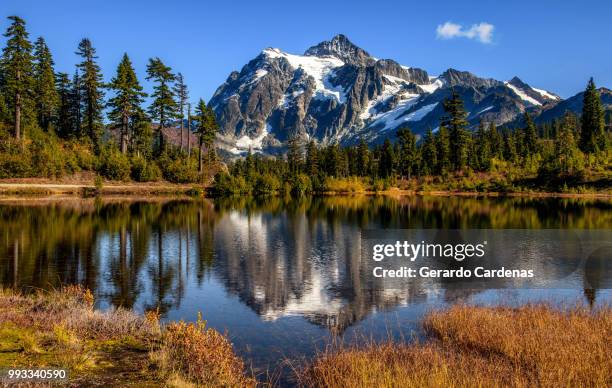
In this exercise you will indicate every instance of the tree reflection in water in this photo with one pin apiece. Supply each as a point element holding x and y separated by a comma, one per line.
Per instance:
<point>280,257</point>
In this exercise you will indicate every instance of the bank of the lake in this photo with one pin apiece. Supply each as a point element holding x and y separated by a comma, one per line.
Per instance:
<point>465,346</point>
<point>18,189</point>
<point>61,330</point>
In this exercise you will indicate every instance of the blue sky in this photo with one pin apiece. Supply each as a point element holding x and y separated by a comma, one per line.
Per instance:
<point>549,44</point>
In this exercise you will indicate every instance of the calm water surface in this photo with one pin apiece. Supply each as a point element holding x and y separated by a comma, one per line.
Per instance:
<point>282,277</point>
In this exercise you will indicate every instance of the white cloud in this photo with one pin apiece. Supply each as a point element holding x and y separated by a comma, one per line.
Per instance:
<point>482,32</point>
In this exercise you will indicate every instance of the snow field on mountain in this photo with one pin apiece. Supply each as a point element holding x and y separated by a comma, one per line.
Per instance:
<point>318,68</point>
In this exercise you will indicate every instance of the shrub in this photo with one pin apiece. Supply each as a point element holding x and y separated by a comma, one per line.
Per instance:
<point>266,184</point>
<point>378,185</point>
<point>226,184</point>
<point>46,155</point>
<point>144,170</point>
<point>302,184</point>
<point>202,356</point>
<point>344,185</point>
<point>112,164</point>
<point>318,184</point>
<point>195,192</point>
<point>178,169</point>
<point>14,165</point>
<point>82,153</point>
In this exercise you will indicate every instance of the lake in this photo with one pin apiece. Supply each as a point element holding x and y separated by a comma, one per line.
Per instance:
<point>282,277</point>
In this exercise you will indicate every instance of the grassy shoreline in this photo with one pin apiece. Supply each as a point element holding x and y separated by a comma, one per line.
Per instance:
<point>533,345</point>
<point>61,329</point>
<point>466,346</point>
<point>161,189</point>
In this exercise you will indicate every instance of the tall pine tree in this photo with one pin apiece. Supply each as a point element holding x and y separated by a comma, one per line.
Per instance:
<point>45,93</point>
<point>407,152</point>
<point>429,153</point>
<point>496,143</point>
<point>63,121</point>
<point>17,70</point>
<point>386,163</point>
<point>76,103</point>
<point>567,154</point>
<point>529,137</point>
<point>592,135</point>
<point>444,152</point>
<point>91,92</point>
<point>125,104</point>
<point>182,95</point>
<point>164,106</point>
<point>294,155</point>
<point>207,130</point>
<point>312,159</point>
<point>483,148</point>
<point>363,158</point>
<point>456,122</point>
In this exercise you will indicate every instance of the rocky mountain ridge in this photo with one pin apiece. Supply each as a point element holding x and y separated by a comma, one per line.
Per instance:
<point>337,92</point>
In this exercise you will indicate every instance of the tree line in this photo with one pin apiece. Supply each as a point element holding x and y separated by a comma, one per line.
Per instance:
<point>52,123</point>
<point>568,151</point>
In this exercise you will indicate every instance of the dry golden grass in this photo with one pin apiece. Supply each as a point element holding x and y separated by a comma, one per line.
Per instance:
<point>534,345</point>
<point>114,347</point>
<point>200,355</point>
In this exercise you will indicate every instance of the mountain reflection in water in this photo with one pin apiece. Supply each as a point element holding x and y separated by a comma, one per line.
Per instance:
<point>295,264</point>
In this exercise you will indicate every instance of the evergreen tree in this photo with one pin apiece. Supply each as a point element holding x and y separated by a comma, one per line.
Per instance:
<point>529,137</point>
<point>483,148</point>
<point>17,69</point>
<point>249,164</point>
<point>141,141</point>
<point>333,160</point>
<point>207,128</point>
<point>76,104</point>
<point>387,160</point>
<point>592,135</point>
<point>189,130</point>
<point>443,151</point>
<point>91,92</point>
<point>343,167</point>
<point>407,152</point>
<point>429,153</point>
<point>64,121</point>
<point>210,135</point>
<point>125,104</point>
<point>567,154</point>
<point>472,154</point>
<point>294,155</point>
<point>456,122</point>
<point>3,108</point>
<point>312,159</point>
<point>556,128</point>
<point>182,95</point>
<point>496,143</point>
<point>363,157</point>
<point>164,107</point>
<point>509,142</point>
<point>45,94</point>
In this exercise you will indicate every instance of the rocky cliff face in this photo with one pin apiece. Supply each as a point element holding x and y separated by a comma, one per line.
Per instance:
<point>338,92</point>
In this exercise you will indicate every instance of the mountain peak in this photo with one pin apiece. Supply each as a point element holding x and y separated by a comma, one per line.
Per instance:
<point>516,81</point>
<point>342,48</point>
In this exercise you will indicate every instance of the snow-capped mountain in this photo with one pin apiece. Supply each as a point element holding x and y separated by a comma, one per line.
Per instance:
<point>337,92</point>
